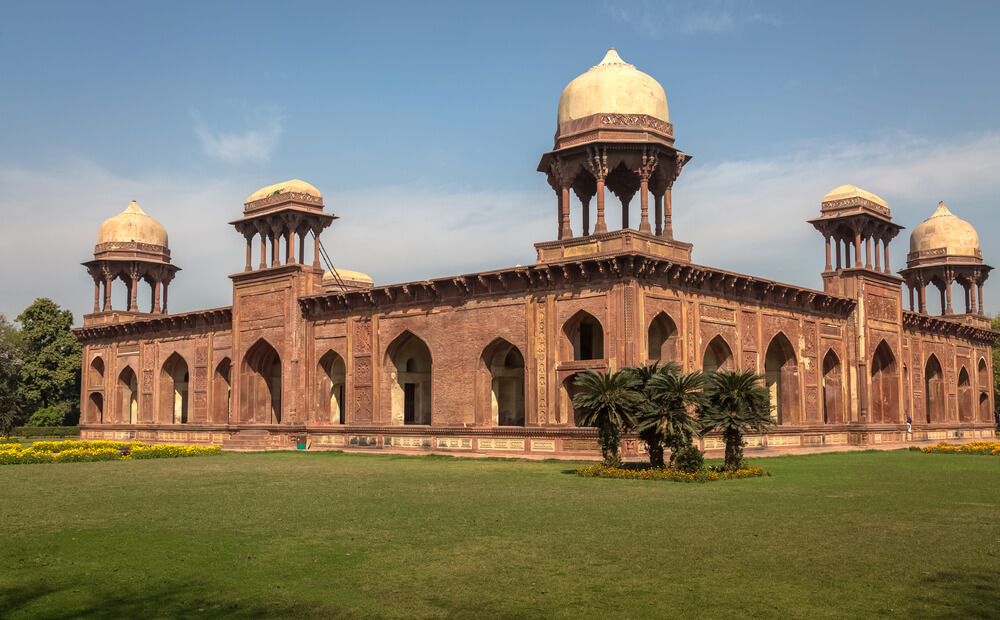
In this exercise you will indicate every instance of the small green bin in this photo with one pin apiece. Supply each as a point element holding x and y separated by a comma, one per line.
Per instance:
<point>302,441</point>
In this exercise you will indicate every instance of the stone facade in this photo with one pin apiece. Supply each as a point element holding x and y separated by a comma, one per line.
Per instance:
<point>484,362</point>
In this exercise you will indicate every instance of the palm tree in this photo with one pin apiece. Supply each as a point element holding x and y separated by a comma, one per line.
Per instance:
<point>736,403</point>
<point>666,419</point>
<point>608,401</point>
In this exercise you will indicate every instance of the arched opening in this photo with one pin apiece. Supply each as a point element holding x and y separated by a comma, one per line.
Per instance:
<point>965,395</point>
<point>174,389</point>
<point>128,396</point>
<point>332,383</point>
<point>934,390</point>
<point>260,396</point>
<point>586,336</point>
<point>569,413</point>
<point>506,371</point>
<point>984,375</point>
<point>662,339</point>
<point>222,392</point>
<point>96,375</point>
<point>409,361</point>
<point>781,375</point>
<point>885,386</point>
<point>833,390</point>
<point>984,407</point>
<point>95,408</point>
<point>718,356</point>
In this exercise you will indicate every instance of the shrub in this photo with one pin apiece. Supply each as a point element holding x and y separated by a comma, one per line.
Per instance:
<point>49,416</point>
<point>46,431</point>
<point>689,459</point>
<point>672,475</point>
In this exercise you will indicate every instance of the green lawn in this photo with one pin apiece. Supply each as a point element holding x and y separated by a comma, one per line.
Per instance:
<point>335,535</point>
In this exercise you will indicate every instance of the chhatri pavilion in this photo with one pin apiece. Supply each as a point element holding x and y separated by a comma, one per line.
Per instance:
<point>485,362</point>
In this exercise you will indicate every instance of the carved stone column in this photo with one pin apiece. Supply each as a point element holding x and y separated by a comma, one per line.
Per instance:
<point>649,162</point>
<point>598,164</point>
<point>828,265</point>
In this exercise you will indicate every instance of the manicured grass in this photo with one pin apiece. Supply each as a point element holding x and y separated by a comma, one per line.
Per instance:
<point>335,535</point>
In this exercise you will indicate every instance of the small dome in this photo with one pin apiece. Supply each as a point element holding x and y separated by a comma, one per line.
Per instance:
<point>132,225</point>
<point>944,230</point>
<point>613,86</point>
<point>296,186</point>
<point>851,191</point>
<point>348,276</point>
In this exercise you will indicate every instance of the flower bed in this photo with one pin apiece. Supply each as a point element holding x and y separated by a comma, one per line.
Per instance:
<point>90,451</point>
<point>989,448</point>
<point>704,474</point>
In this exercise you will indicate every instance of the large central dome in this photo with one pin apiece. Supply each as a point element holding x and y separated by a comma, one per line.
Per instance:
<point>613,87</point>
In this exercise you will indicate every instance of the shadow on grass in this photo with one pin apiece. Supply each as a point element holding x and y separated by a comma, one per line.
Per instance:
<point>169,600</point>
<point>966,594</point>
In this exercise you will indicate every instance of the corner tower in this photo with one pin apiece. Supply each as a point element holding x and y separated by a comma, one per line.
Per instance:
<point>851,218</point>
<point>944,249</point>
<point>613,133</point>
<point>131,247</point>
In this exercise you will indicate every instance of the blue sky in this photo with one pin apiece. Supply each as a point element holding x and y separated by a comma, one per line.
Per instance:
<point>422,125</point>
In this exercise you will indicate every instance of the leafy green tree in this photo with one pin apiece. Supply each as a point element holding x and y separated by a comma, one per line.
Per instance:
<point>608,401</point>
<point>666,419</point>
<point>10,363</point>
<point>51,356</point>
<point>736,403</point>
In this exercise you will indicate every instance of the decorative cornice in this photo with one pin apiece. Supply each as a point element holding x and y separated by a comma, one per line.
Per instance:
<point>539,278</point>
<point>142,328</point>
<point>855,201</point>
<point>278,199</point>
<point>942,326</point>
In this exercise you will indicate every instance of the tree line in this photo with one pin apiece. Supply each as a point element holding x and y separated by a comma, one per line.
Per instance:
<point>40,364</point>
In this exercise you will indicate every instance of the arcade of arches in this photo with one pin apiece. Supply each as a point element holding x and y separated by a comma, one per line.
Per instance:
<point>485,362</point>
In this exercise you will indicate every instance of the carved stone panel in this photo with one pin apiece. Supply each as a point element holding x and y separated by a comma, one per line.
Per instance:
<point>363,371</point>
<point>147,382</point>
<point>881,308</point>
<point>363,409</point>
<point>748,327</point>
<point>201,352</point>
<point>148,356</point>
<point>749,361</point>
<point>363,337</point>
<point>541,365</point>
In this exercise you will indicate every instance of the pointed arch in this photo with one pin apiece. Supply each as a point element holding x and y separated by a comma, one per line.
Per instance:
<point>833,390</point>
<point>585,336</point>
<point>174,380</point>
<point>718,356</point>
<point>409,363</point>
<point>222,391</point>
<point>505,366</point>
<point>128,397</point>
<point>965,404</point>
<point>95,408</point>
<point>96,374</point>
<point>781,375</point>
<point>661,339</point>
<point>568,413</point>
<point>261,385</point>
<point>332,374</point>
<point>934,394</point>
<point>884,397</point>
<point>984,376</point>
<point>985,413</point>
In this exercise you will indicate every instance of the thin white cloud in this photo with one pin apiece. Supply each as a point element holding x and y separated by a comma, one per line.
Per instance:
<point>255,143</point>
<point>658,18</point>
<point>746,216</point>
